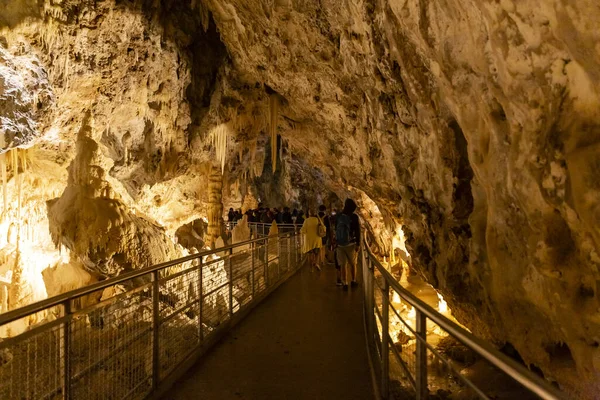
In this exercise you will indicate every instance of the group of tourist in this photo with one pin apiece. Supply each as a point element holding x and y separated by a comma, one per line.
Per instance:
<point>337,233</point>
<point>268,215</point>
<point>325,233</point>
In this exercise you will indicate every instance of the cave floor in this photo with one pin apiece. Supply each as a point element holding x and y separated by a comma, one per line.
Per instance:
<point>305,341</point>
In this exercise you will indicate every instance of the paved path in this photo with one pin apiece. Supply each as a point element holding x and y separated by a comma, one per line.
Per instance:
<point>305,341</point>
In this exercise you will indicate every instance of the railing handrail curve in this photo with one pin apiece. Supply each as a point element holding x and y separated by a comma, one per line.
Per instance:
<point>510,367</point>
<point>59,299</point>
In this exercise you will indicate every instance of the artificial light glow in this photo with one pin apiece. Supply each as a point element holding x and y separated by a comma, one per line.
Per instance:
<point>396,298</point>
<point>442,305</point>
<point>412,314</point>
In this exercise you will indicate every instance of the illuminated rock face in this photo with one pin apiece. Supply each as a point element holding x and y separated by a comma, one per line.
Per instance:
<point>475,125</point>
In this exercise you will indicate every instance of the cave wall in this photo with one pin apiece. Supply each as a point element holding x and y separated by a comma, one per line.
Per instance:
<point>474,125</point>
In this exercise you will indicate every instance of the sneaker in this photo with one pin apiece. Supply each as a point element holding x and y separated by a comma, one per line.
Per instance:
<point>346,287</point>
<point>339,282</point>
<point>354,284</point>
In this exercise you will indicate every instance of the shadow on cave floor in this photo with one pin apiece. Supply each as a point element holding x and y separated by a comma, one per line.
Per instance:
<point>305,341</point>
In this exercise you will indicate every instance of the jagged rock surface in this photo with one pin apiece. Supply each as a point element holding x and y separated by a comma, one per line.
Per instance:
<point>474,124</point>
<point>94,223</point>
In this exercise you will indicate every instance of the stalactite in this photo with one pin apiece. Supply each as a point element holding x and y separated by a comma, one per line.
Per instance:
<point>219,137</point>
<point>252,157</point>
<point>281,153</point>
<point>273,114</point>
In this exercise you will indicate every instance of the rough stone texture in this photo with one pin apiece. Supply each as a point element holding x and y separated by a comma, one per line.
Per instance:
<point>24,95</point>
<point>474,124</point>
<point>94,223</point>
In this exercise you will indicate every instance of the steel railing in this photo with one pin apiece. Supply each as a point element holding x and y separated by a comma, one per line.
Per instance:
<point>409,356</point>
<point>261,229</point>
<point>128,337</point>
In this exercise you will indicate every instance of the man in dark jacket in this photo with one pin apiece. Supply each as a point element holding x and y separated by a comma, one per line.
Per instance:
<point>286,217</point>
<point>347,236</point>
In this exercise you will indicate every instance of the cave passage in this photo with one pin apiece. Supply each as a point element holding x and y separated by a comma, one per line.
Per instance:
<point>467,132</point>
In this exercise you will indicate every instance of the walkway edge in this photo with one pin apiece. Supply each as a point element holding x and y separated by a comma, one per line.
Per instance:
<point>208,345</point>
<point>376,393</point>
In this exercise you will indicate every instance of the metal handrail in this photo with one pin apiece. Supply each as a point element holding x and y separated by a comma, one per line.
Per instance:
<point>505,364</point>
<point>143,338</point>
<point>57,300</point>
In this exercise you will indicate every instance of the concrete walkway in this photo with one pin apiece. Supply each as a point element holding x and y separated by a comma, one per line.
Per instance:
<point>305,341</point>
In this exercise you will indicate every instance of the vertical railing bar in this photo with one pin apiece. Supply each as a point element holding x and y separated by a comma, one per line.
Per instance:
<point>155,330</point>
<point>252,251</point>
<point>289,248</point>
<point>385,351</point>
<point>421,357</point>
<point>67,351</point>
<point>266,262</point>
<point>231,282</point>
<point>201,299</point>
<point>278,259</point>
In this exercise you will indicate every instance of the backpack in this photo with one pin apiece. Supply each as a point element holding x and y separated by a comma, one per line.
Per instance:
<point>342,230</point>
<point>321,229</point>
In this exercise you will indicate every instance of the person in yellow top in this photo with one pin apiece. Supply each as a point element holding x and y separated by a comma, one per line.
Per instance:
<point>312,241</point>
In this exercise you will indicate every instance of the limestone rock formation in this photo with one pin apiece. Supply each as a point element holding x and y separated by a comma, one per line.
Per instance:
<point>474,125</point>
<point>24,97</point>
<point>94,223</point>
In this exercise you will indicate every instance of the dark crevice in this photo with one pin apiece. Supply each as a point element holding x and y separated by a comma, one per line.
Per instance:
<point>462,196</point>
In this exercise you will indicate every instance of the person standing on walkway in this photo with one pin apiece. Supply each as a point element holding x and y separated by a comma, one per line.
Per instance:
<point>312,241</point>
<point>300,218</point>
<point>333,246</point>
<point>347,236</point>
<point>286,217</point>
<point>323,219</point>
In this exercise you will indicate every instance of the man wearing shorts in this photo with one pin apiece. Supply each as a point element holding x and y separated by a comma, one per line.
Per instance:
<point>347,235</point>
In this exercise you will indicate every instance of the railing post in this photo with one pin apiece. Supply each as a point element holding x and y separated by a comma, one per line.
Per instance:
<point>289,252</point>
<point>266,261</point>
<point>155,330</point>
<point>385,351</point>
<point>278,257</point>
<point>371,289</point>
<point>421,357</point>
<point>200,299</point>
<point>252,248</point>
<point>66,351</point>
<point>231,282</point>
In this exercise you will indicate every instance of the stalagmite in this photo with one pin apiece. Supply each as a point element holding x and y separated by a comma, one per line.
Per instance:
<point>4,183</point>
<point>273,113</point>
<point>19,181</point>
<point>126,141</point>
<point>215,205</point>
<point>3,298</point>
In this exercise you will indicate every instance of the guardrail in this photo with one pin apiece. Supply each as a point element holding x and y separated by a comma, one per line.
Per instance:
<point>129,337</point>
<point>261,229</point>
<point>409,361</point>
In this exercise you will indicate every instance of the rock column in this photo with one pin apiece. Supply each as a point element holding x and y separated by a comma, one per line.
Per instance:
<point>215,205</point>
